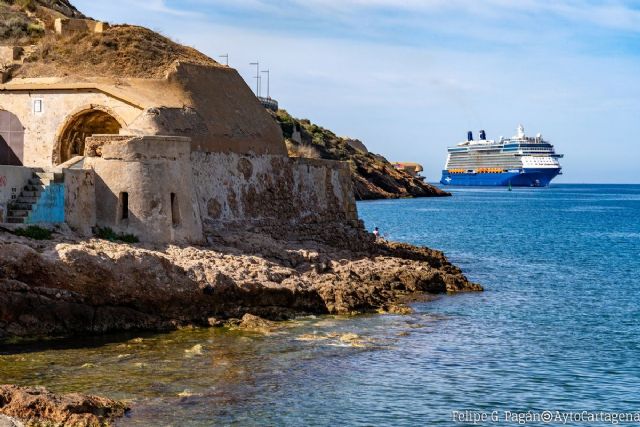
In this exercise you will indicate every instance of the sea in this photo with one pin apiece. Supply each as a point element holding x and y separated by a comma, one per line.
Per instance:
<point>555,333</point>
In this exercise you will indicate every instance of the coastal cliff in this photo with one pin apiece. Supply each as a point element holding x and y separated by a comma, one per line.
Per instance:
<point>68,286</point>
<point>373,176</point>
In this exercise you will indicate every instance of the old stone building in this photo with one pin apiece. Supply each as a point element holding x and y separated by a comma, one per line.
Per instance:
<point>165,150</point>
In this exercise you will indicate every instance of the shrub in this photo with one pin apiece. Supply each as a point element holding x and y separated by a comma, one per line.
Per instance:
<point>34,232</point>
<point>107,233</point>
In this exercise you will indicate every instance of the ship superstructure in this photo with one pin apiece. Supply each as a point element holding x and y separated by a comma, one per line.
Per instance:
<point>520,161</point>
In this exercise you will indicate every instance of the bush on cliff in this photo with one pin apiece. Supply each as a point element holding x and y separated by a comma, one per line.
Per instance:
<point>107,233</point>
<point>373,176</point>
<point>33,232</point>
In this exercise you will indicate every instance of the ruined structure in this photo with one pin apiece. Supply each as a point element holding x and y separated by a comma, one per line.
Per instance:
<point>162,153</point>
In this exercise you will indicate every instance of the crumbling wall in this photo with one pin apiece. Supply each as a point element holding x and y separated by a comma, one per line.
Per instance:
<point>80,200</point>
<point>65,26</point>
<point>285,197</point>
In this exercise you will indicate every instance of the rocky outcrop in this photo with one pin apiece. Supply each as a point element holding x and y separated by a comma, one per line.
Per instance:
<point>373,176</point>
<point>67,286</point>
<point>39,407</point>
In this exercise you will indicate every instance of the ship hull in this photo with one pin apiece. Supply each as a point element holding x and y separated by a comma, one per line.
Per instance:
<point>523,178</point>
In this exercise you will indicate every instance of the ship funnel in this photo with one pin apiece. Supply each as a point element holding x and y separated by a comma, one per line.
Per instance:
<point>483,136</point>
<point>469,136</point>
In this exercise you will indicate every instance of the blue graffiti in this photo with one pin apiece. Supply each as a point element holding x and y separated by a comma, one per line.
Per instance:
<point>50,206</point>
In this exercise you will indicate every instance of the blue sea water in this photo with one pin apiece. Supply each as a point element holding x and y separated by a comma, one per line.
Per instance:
<point>557,328</point>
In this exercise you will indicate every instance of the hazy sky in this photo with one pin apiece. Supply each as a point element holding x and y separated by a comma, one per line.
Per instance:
<point>409,78</point>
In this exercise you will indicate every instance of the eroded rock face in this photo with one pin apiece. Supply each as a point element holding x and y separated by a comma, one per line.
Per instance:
<point>38,406</point>
<point>69,287</point>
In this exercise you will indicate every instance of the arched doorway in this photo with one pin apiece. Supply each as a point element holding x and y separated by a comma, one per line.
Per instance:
<point>81,126</point>
<point>11,139</point>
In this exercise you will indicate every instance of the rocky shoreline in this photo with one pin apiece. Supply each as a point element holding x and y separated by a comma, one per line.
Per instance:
<point>36,406</point>
<point>69,286</point>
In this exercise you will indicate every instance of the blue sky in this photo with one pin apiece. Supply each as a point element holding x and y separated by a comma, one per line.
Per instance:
<point>410,77</point>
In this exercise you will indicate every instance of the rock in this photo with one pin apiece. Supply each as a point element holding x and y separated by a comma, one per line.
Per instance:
<point>373,176</point>
<point>9,422</point>
<point>37,406</point>
<point>70,286</point>
<point>253,323</point>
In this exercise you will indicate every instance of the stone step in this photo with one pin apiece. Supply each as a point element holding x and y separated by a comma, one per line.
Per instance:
<point>18,213</point>
<point>30,193</point>
<point>34,187</point>
<point>44,175</point>
<point>15,220</point>
<point>39,181</point>
<point>26,200</point>
<point>49,176</point>
<point>21,206</point>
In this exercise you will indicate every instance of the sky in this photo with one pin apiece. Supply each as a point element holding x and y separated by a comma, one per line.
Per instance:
<point>410,77</point>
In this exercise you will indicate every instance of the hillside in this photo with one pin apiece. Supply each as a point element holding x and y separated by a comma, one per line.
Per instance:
<point>119,51</point>
<point>374,177</point>
<point>24,21</point>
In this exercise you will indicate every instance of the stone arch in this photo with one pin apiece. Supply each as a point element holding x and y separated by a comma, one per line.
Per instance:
<point>11,139</point>
<point>94,120</point>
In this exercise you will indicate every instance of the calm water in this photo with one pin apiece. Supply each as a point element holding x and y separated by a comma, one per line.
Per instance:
<point>557,328</point>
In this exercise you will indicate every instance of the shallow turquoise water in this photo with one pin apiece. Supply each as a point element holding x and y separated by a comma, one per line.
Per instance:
<point>557,328</point>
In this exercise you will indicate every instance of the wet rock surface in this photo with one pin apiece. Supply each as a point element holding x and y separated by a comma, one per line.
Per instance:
<point>36,406</point>
<point>69,286</point>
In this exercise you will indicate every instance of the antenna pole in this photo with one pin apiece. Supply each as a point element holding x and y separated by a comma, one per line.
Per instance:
<point>268,82</point>
<point>257,77</point>
<point>226,57</point>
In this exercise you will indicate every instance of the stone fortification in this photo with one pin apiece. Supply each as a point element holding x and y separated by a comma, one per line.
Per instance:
<point>66,26</point>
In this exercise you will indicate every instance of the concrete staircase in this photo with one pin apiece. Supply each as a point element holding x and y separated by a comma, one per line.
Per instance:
<point>19,209</point>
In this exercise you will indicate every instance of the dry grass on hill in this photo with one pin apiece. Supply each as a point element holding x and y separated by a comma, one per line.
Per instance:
<point>121,51</point>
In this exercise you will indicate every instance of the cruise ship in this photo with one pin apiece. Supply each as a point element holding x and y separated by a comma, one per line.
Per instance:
<point>520,161</point>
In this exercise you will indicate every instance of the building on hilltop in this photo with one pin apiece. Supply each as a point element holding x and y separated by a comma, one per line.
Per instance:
<point>411,168</point>
<point>134,132</point>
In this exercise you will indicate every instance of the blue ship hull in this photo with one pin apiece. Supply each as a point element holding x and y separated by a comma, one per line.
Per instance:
<point>522,178</point>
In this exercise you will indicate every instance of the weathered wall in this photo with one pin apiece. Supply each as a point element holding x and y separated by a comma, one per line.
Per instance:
<point>80,200</point>
<point>214,107</point>
<point>42,130</point>
<point>149,170</point>
<point>12,180</point>
<point>275,192</point>
<point>71,25</point>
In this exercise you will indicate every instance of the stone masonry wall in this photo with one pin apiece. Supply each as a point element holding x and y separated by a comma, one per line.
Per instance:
<point>286,197</point>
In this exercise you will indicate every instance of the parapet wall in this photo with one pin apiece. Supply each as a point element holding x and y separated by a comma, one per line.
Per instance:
<point>70,25</point>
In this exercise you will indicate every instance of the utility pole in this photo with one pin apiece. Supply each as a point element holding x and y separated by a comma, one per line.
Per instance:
<point>268,82</point>
<point>257,64</point>
<point>225,56</point>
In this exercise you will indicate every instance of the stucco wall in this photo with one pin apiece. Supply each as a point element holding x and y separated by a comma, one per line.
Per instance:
<point>42,130</point>
<point>80,200</point>
<point>149,170</point>
<point>271,191</point>
<point>12,180</point>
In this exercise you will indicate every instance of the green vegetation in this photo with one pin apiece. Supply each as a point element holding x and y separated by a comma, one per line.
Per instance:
<point>107,233</point>
<point>34,232</point>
